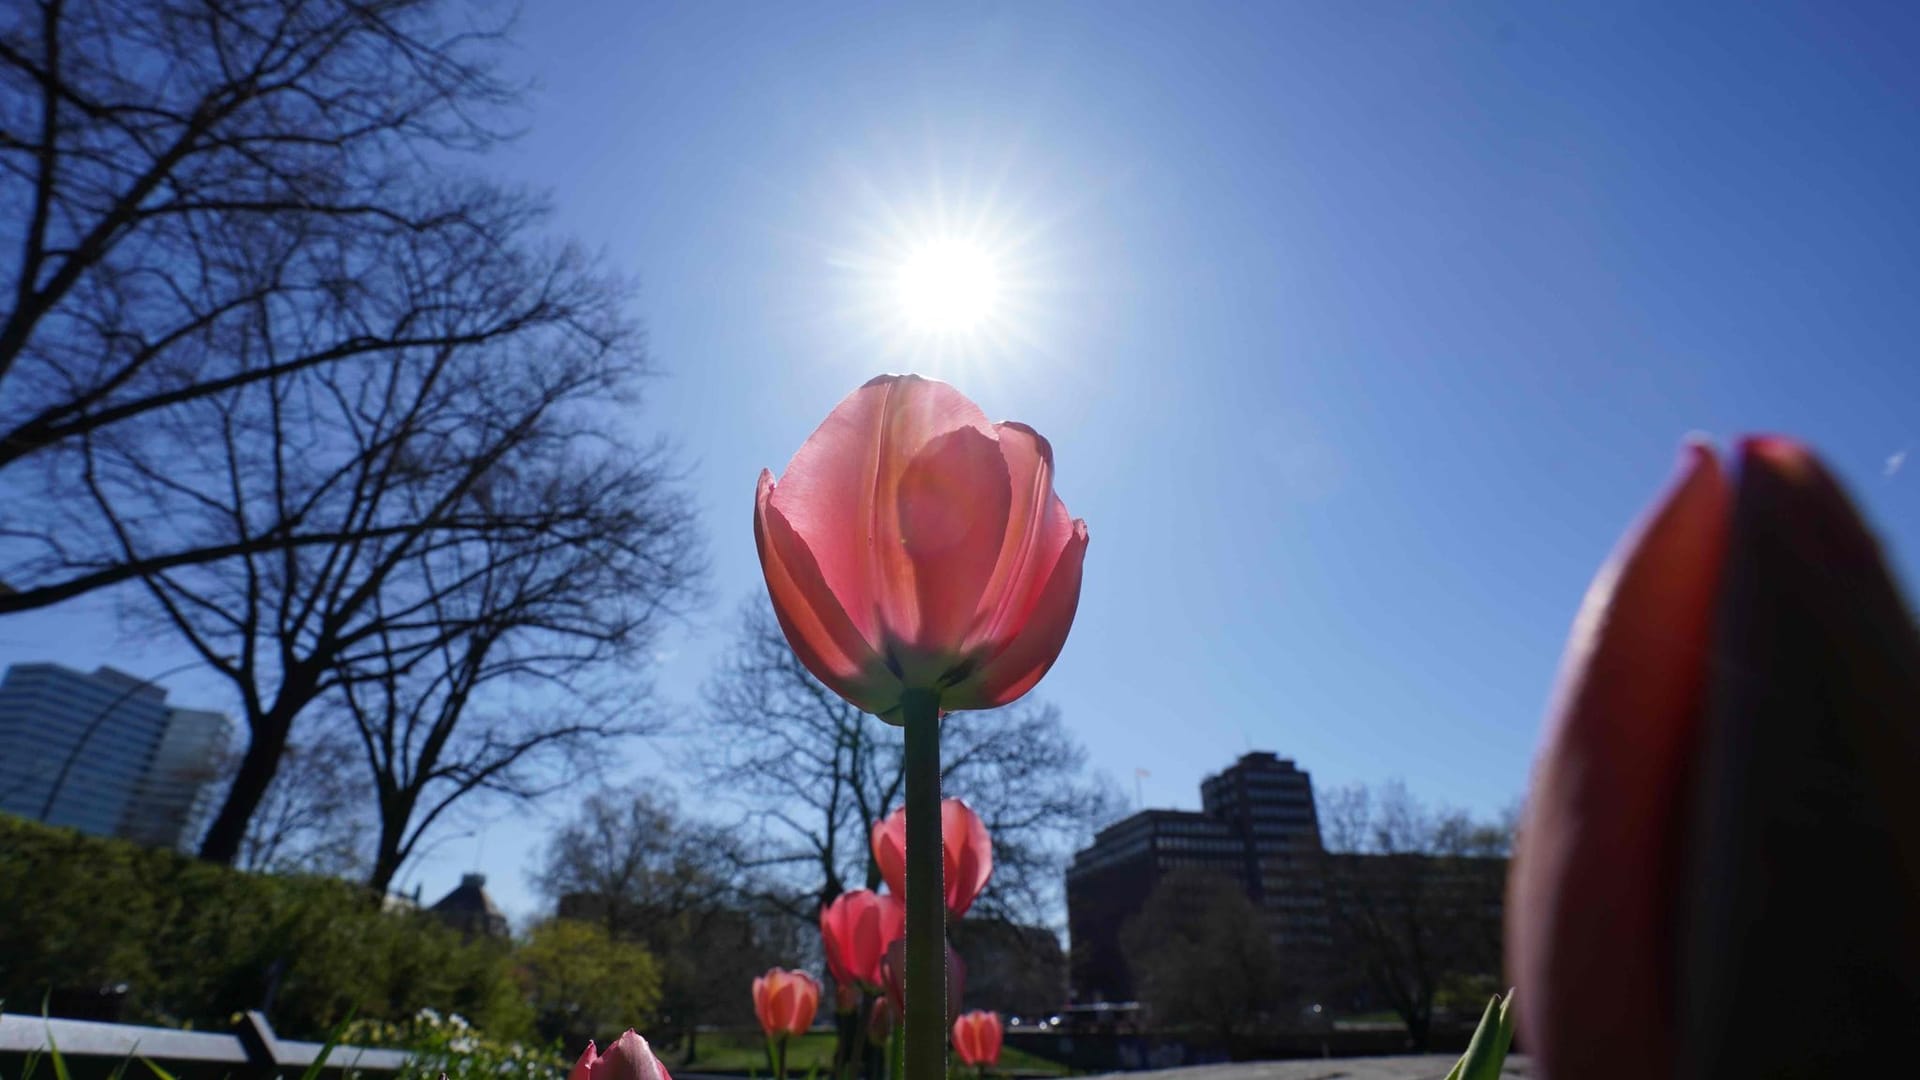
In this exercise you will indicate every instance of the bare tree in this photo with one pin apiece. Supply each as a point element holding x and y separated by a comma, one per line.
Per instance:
<point>208,197</point>
<point>484,678</point>
<point>1415,897</point>
<point>631,863</point>
<point>444,476</point>
<point>815,773</point>
<point>313,818</point>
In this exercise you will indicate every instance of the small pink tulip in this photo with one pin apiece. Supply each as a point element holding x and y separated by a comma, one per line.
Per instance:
<point>855,930</point>
<point>976,1038</point>
<point>1718,874</point>
<point>966,851</point>
<point>880,1021</point>
<point>846,995</point>
<point>629,1058</point>
<point>785,1001</point>
<point>912,545</point>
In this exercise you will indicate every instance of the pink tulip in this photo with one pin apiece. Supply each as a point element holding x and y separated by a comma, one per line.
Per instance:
<point>912,545</point>
<point>976,1038</point>
<point>966,850</point>
<point>785,1002</point>
<point>855,931</point>
<point>629,1058</point>
<point>846,995</point>
<point>880,1021</point>
<point>1718,874</point>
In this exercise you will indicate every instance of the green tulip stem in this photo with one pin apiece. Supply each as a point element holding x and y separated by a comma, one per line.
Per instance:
<point>857,1060</point>
<point>926,977</point>
<point>896,1052</point>
<point>779,1058</point>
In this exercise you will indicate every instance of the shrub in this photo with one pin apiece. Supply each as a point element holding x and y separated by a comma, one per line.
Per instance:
<point>196,943</point>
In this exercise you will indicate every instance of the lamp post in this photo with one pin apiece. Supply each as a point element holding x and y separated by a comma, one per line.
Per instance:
<point>93,726</point>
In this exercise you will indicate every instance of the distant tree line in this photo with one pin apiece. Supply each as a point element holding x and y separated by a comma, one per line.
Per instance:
<point>1400,912</point>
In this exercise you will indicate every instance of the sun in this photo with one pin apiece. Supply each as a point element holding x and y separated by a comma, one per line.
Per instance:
<point>947,285</point>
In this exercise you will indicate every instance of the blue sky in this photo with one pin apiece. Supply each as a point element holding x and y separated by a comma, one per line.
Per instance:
<point>1360,331</point>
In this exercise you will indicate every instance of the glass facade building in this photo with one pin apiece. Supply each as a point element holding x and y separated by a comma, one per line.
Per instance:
<point>104,753</point>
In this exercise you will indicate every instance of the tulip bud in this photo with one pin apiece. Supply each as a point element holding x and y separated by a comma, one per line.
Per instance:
<point>976,1038</point>
<point>855,930</point>
<point>846,997</point>
<point>785,1002</point>
<point>965,848</point>
<point>629,1058</point>
<point>1719,870</point>
<point>880,1021</point>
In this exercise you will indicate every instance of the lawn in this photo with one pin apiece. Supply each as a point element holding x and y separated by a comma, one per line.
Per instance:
<point>743,1053</point>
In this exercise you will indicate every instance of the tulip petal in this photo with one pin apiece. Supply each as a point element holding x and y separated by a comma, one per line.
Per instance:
<point>889,839</point>
<point>1037,644</point>
<point>952,510</point>
<point>1803,897</point>
<point>583,1068</point>
<point>820,630</point>
<point>1038,529</point>
<point>629,1058</point>
<point>1589,925</point>
<point>969,854</point>
<point>838,491</point>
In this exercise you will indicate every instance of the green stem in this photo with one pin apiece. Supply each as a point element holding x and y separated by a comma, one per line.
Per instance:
<point>896,1052</point>
<point>926,980</point>
<point>857,1060</point>
<point>780,1059</point>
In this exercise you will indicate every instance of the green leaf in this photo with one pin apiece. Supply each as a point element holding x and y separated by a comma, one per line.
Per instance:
<point>1487,1052</point>
<point>157,1070</point>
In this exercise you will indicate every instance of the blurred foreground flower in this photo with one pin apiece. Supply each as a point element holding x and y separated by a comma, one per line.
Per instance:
<point>967,853</point>
<point>1718,874</point>
<point>846,995</point>
<point>880,1021</point>
<point>912,545</point>
<point>976,1038</point>
<point>629,1058</point>
<point>855,931</point>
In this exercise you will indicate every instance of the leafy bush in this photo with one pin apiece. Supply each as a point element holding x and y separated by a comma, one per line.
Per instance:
<point>195,943</point>
<point>584,982</point>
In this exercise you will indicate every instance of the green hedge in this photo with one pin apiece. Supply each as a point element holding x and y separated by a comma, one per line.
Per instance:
<point>195,944</point>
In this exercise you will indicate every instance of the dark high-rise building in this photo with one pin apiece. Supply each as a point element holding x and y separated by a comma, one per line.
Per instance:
<point>1257,825</point>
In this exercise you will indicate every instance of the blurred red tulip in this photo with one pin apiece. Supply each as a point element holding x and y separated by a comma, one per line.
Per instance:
<point>880,1021</point>
<point>846,995</point>
<point>785,1002</point>
<point>855,931</point>
<point>966,850</point>
<point>976,1038</point>
<point>1718,873</point>
<point>893,969</point>
<point>629,1058</point>
<point>912,545</point>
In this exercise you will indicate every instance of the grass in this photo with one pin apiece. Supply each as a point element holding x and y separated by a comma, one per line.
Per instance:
<point>744,1052</point>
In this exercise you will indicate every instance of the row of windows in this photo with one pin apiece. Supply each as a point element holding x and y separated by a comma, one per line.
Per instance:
<point>1182,843</point>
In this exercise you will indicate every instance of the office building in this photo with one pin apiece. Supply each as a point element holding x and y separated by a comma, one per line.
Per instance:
<point>105,754</point>
<point>1256,825</point>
